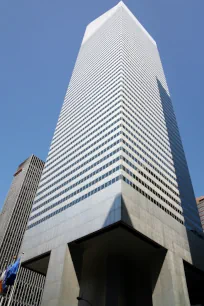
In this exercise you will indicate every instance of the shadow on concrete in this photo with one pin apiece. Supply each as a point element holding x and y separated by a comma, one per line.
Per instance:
<point>38,264</point>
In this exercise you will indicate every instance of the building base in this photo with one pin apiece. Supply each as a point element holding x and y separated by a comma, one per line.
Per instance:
<point>117,266</point>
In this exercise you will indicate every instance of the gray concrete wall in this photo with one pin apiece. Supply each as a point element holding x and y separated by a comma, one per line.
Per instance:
<point>61,286</point>
<point>170,286</point>
<point>154,223</point>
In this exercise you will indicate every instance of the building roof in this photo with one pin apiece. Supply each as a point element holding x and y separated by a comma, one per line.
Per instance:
<point>98,22</point>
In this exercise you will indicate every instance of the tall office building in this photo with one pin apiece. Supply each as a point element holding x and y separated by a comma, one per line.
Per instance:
<point>116,168</point>
<point>13,221</point>
<point>200,203</point>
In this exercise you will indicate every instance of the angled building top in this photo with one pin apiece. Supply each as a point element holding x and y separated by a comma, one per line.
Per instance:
<point>98,22</point>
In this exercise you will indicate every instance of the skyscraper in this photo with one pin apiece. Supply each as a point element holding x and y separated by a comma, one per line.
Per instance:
<point>13,221</point>
<point>116,159</point>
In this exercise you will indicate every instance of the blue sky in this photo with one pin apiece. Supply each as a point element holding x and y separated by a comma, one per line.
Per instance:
<point>39,42</point>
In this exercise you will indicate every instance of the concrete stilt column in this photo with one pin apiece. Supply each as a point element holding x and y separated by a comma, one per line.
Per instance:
<point>170,288</point>
<point>93,277</point>
<point>61,285</point>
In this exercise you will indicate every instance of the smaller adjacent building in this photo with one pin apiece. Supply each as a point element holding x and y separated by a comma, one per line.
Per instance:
<point>13,221</point>
<point>200,203</point>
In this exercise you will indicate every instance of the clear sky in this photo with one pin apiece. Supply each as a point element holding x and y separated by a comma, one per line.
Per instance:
<point>39,42</point>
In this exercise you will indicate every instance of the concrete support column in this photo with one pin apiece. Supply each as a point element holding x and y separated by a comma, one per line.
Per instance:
<point>61,285</point>
<point>93,276</point>
<point>170,288</point>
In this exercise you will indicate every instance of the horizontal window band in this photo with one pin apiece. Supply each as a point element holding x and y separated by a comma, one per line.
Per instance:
<point>77,175</point>
<point>88,154</point>
<point>120,177</point>
<point>150,198</point>
<point>151,189</point>
<point>126,136</point>
<point>92,174</point>
<point>48,163</point>
<point>76,192</point>
<point>112,78</point>
<point>122,119</point>
<point>75,201</point>
<point>91,110</point>
<point>104,150</point>
<point>84,163</point>
<point>89,185</point>
<point>72,186</point>
<point>112,104</point>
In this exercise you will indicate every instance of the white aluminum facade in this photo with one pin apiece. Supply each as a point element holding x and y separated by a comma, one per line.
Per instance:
<point>116,123</point>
